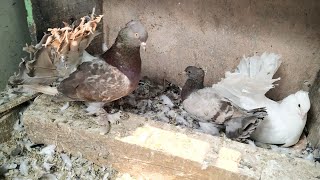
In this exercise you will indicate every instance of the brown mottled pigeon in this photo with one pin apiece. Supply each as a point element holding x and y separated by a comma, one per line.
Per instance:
<point>112,75</point>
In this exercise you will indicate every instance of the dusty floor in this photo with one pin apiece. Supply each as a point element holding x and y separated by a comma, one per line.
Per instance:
<point>22,159</point>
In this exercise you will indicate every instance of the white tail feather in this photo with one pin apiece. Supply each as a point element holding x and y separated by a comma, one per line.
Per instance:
<point>251,80</point>
<point>259,67</point>
<point>42,89</point>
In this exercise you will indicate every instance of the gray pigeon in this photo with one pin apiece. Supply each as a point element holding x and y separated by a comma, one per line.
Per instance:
<point>215,112</point>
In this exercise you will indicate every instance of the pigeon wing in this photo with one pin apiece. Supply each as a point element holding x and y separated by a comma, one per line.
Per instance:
<point>95,81</point>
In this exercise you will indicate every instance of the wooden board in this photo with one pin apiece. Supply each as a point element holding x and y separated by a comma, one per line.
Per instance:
<point>156,150</point>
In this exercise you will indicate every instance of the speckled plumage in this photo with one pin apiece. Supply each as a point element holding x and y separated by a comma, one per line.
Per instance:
<point>209,107</point>
<point>114,74</point>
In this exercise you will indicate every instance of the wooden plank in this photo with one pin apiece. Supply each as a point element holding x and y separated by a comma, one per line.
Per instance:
<point>150,149</point>
<point>14,102</point>
<point>7,121</point>
<point>9,112</point>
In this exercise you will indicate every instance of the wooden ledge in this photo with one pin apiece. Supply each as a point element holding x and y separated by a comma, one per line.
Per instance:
<point>156,150</point>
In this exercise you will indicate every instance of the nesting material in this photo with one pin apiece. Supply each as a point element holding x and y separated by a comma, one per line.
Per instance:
<point>155,138</point>
<point>10,105</point>
<point>22,159</point>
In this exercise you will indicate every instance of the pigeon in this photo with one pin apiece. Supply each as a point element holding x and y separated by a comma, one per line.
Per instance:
<point>215,112</point>
<point>246,87</point>
<point>106,78</point>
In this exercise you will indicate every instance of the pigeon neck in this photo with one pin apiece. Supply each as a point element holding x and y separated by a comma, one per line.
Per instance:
<point>126,59</point>
<point>189,87</point>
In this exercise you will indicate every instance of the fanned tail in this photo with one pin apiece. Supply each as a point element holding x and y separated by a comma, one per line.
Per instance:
<point>58,53</point>
<point>251,80</point>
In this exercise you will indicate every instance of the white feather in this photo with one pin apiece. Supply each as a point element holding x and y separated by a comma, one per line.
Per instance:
<point>47,166</point>
<point>182,121</point>
<point>48,152</point>
<point>166,100</point>
<point>309,157</point>
<point>209,128</point>
<point>104,47</point>
<point>65,106</point>
<point>66,159</point>
<point>24,169</point>
<point>86,57</point>
<point>94,107</point>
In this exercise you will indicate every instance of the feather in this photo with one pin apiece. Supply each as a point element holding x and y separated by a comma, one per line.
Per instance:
<point>56,55</point>
<point>43,89</point>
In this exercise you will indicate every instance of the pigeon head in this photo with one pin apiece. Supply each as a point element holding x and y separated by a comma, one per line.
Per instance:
<point>133,34</point>
<point>194,82</point>
<point>302,102</point>
<point>195,73</point>
<point>298,102</point>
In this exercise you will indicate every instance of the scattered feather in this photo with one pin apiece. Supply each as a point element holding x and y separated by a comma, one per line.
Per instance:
<point>310,157</point>
<point>48,177</point>
<point>209,128</point>
<point>48,151</point>
<point>166,100</point>
<point>47,166</point>
<point>67,161</point>
<point>23,168</point>
<point>65,106</point>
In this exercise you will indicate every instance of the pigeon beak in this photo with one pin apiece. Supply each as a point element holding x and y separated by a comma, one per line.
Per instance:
<point>143,45</point>
<point>182,73</point>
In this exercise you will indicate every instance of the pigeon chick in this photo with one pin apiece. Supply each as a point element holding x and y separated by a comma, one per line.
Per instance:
<point>106,78</point>
<point>214,112</point>
<point>247,86</point>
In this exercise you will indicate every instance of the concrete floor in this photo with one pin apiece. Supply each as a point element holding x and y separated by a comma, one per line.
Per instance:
<point>14,35</point>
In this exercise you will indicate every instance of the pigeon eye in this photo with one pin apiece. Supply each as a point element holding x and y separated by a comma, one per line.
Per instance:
<point>299,105</point>
<point>136,35</point>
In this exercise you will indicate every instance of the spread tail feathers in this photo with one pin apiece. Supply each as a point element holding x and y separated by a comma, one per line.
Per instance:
<point>259,67</point>
<point>42,89</point>
<point>58,54</point>
<point>251,79</point>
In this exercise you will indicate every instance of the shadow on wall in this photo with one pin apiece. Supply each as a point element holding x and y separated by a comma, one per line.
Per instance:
<point>14,35</point>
